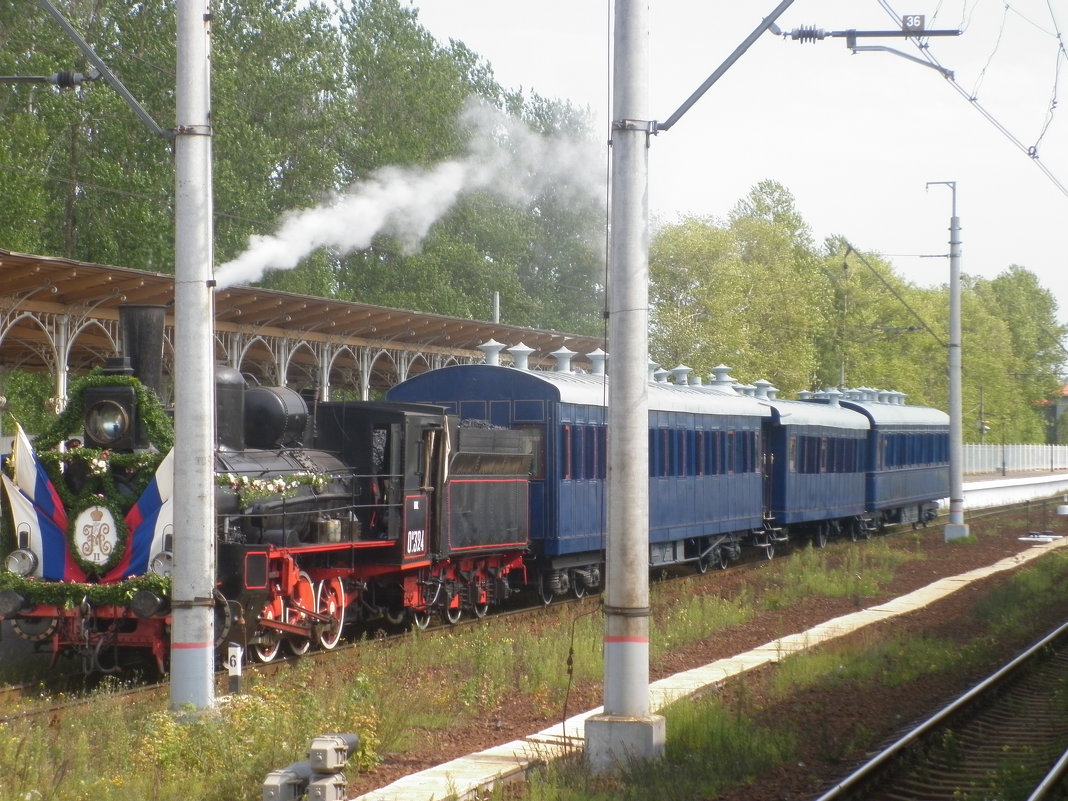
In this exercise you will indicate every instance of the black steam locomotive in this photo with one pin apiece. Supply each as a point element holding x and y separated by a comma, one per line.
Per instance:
<point>325,516</point>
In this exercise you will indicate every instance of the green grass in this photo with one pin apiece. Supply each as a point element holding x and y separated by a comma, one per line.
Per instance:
<point>711,746</point>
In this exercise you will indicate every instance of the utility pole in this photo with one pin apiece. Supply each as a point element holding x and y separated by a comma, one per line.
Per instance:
<point>956,528</point>
<point>193,576</point>
<point>193,579</point>
<point>626,730</point>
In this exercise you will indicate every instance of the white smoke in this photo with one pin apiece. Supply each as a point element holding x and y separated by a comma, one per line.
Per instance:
<point>504,157</point>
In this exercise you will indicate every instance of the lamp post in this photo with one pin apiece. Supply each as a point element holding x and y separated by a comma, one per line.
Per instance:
<point>956,528</point>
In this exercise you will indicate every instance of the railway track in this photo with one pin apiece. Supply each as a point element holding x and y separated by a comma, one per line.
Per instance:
<point>1005,738</point>
<point>37,698</point>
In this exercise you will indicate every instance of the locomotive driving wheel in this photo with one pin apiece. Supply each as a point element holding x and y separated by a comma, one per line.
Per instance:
<point>303,598</point>
<point>269,639</point>
<point>330,600</point>
<point>453,614</point>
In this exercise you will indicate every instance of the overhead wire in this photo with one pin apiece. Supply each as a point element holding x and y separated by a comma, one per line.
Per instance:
<point>894,292</point>
<point>1030,150</point>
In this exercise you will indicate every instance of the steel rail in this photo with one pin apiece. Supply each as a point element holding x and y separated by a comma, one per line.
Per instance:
<point>870,768</point>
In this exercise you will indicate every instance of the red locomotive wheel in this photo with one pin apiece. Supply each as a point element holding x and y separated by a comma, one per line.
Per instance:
<point>303,597</point>
<point>270,641</point>
<point>330,600</point>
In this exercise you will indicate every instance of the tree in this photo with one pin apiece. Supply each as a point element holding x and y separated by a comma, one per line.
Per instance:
<point>307,98</point>
<point>747,294</point>
<point>1035,360</point>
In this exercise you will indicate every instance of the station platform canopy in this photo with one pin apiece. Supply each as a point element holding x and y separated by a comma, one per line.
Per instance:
<point>59,313</point>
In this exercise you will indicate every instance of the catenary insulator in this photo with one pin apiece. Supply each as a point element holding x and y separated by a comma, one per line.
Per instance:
<point>808,34</point>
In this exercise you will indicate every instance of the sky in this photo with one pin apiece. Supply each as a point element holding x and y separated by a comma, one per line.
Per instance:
<point>855,137</point>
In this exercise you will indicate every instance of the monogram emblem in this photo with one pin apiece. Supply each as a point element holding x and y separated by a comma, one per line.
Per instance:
<point>94,535</point>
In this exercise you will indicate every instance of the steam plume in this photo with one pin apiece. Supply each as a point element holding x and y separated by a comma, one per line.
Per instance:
<point>504,157</point>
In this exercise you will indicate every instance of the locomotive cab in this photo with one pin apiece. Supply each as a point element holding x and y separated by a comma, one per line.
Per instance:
<point>396,454</point>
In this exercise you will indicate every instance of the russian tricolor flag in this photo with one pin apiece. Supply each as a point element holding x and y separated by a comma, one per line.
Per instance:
<point>38,514</point>
<point>31,478</point>
<point>147,523</point>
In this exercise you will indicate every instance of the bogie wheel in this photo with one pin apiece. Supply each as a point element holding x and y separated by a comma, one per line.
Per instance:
<point>478,598</point>
<point>420,619</point>
<point>395,616</point>
<point>578,586</point>
<point>545,591</point>
<point>724,559</point>
<point>769,551</point>
<point>854,530</point>
<point>304,598</point>
<point>267,650</point>
<point>819,536</point>
<point>330,600</point>
<point>703,563</point>
<point>453,614</point>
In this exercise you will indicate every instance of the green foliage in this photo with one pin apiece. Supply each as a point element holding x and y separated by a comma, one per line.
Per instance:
<point>755,294</point>
<point>834,573</point>
<point>311,98</point>
<point>157,424</point>
<point>29,398</point>
<point>1008,606</point>
<point>884,662</point>
<point>120,752</point>
<point>68,594</point>
<point>307,99</point>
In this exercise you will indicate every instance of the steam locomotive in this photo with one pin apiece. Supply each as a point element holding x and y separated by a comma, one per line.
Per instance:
<point>405,515</point>
<point>465,486</point>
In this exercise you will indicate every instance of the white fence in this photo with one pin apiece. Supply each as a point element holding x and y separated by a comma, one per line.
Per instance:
<point>998,458</point>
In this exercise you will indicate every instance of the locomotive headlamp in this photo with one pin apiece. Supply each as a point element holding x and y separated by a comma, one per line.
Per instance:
<point>107,421</point>
<point>162,564</point>
<point>21,562</point>
<point>111,420</point>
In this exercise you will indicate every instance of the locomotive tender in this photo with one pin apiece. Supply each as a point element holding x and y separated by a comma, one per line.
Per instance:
<point>467,484</point>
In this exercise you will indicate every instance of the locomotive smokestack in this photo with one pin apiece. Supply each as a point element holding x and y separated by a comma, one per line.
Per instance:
<point>141,328</point>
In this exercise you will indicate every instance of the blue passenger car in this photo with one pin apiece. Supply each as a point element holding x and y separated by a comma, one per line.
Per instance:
<point>705,479</point>
<point>908,457</point>
<point>816,463</point>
